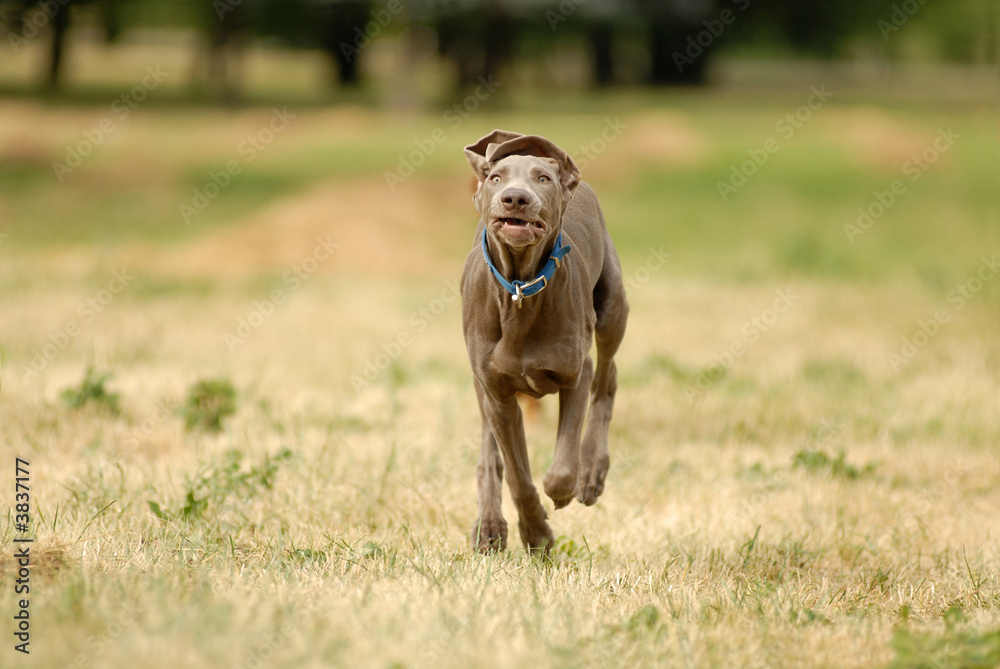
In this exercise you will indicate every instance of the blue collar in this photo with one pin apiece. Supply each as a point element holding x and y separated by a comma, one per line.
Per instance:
<point>521,289</point>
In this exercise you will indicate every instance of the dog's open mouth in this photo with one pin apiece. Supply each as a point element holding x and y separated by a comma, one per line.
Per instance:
<point>521,223</point>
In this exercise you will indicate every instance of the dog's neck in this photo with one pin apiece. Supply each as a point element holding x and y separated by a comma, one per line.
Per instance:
<point>520,264</point>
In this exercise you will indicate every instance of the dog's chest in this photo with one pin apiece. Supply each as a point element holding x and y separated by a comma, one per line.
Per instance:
<point>542,366</point>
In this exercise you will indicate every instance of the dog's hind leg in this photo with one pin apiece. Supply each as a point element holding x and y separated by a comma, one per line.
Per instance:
<point>611,306</point>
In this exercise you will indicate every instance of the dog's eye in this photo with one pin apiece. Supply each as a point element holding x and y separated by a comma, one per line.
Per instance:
<point>544,179</point>
<point>495,178</point>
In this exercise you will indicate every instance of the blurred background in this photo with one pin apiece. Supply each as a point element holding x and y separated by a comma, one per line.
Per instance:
<point>209,144</point>
<point>319,50</point>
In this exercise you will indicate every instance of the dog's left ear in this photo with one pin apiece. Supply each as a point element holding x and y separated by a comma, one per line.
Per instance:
<point>533,145</point>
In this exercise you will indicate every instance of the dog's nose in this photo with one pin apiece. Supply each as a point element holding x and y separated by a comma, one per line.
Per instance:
<point>515,197</point>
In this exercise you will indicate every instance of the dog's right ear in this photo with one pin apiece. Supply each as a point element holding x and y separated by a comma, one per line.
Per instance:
<point>479,165</point>
<point>476,153</point>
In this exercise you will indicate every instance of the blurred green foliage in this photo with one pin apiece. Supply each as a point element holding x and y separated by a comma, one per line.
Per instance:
<point>209,402</point>
<point>93,391</point>
<point>624,41</point>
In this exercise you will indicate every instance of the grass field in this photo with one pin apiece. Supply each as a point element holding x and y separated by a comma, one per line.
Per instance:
<point>804,451</point>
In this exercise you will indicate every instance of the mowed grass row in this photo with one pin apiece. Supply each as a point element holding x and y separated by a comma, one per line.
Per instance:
<point>849,190</point>
<point>805,500</point>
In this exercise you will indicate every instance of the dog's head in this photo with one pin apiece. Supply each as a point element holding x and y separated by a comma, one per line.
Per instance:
<point>525,183</point>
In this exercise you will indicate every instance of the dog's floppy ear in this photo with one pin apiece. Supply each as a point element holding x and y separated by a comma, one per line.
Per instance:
<point>533,145</point>
<point>477,153</point>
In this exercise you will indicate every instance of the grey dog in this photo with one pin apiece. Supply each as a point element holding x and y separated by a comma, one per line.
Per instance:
<point>543,278</point>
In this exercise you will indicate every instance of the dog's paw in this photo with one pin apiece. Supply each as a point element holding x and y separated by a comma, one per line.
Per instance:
<point>562,503</point>
<point>537,536</point>
<point>489,535</point>
<point>560,487</point>
<point>592,481</point>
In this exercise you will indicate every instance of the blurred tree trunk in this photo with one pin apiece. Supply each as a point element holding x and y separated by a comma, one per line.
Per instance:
<point>501,32</point>
<point>226,35</point>
<point>111,20</point>
<point>59,24</point>
<point>479,41</point>
<point>601,45</point>
<point>347,68</point>
<point>457,42</point>
<point>343,33</point>
<point>672,62</point>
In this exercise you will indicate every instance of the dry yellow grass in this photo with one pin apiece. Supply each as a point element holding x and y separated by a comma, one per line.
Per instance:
<point>709,547</point>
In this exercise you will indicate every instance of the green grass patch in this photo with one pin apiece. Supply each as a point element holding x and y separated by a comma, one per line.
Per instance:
<point>820,462</point>
<point>957,647</point>
<point>93,392</point>
<point>209,402</point>
<point>218,484</point>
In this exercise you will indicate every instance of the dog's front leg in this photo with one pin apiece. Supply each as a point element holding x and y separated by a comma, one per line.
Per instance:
<point>503,416</point>
<point>560,481</point>
<point>489,532</point>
